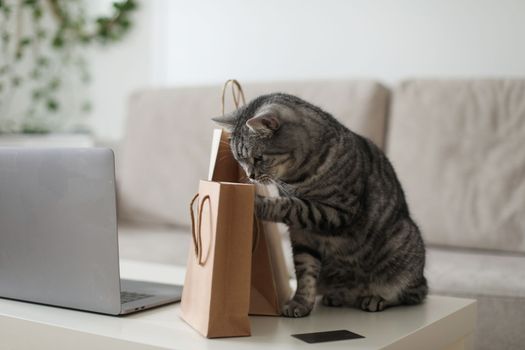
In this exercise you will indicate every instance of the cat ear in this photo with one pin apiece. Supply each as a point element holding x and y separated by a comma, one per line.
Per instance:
<point>264,124</point>
<point>226,121</point>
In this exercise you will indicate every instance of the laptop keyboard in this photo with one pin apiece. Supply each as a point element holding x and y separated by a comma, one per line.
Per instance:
<point>127,297</point>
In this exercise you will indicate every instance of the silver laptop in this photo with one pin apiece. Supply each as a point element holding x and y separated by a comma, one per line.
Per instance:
<point>58,233</point>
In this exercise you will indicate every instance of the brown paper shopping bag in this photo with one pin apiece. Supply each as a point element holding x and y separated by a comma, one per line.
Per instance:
<point>218,305</point>
<point>270,287</point>
<point>216,298</point>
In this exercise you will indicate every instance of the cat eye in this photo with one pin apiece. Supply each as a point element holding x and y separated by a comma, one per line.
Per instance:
<point>257,159</point>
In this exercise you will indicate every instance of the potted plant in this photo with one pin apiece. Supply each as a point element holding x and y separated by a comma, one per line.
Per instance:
<point>44,71</point>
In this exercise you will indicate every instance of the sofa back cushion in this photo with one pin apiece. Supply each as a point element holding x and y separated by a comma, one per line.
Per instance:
<point>459,151</point>
<point>168,138</point>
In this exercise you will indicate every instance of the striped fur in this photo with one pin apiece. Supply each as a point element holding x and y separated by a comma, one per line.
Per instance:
<point>352,236</point>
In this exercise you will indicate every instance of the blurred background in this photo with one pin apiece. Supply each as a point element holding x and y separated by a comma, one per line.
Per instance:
<point>171,43</point>
<point>207,42</point>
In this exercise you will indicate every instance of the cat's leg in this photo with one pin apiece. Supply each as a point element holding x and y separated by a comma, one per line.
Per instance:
<point>373,303</point>
<point>415,293</point>
<point>333,298</point>
<point>301,213</point>
<point>381,297</point>
<point>307,263</point>
<point>398,277</point>
<point>342,296</point>
<point>378,296</point>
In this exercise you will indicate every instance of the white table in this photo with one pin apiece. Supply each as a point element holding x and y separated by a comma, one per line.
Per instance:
<point>440,323</point>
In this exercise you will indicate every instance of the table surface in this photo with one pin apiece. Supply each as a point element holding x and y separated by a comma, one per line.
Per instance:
<point>436,324</point>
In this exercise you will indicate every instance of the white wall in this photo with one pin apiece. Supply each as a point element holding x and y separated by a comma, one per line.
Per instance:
<point>118,70</point>
<point>208,41</point>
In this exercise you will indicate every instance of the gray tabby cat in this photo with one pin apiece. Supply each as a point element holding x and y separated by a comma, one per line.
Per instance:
<point>352,236</point>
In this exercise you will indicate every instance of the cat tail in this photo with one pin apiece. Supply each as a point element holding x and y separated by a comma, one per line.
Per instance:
<point>416,293</point>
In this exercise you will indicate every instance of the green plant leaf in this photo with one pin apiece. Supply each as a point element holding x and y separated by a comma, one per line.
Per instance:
<point>25,41</point>
<point>37,13</point>
<point>16,81</point>
<point>41,34</point>
<point>6,37</point>
<point>6,9</point>
<point>35,74</point>
<point>54,83</point>
<point>42,61</point>
<point>71,31</point>
<point>52,105</point>
<point>34,129</point>
<point>58,41</point>
<point>86,107</point>
<point>37,94</point>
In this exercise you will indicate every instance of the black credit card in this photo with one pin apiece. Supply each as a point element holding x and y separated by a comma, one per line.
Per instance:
<point>320,337</point>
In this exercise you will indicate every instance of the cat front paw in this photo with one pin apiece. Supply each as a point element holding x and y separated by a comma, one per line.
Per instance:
<point>372,303</point>
<point>296,308</point>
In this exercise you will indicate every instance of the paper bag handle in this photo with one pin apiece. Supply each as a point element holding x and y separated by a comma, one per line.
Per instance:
<point>238,94</point>
<point>196,234</point>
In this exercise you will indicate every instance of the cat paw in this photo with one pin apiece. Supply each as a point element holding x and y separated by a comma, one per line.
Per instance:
<point>371,303</point>
<point>332,300</point>
<point>294,308</point>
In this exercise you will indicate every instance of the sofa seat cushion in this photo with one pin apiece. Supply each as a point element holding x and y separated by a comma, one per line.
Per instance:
<point>160,244</point>
<point>166,148</point>
<point>496,281</point>
<point>457,147</point>
<point>476,272</point>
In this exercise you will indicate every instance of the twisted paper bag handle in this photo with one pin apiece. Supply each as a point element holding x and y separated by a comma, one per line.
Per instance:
<point>237,92</point>
<point>196,231</point>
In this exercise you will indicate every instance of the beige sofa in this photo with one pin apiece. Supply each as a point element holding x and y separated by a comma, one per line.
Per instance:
<point>458,148</point>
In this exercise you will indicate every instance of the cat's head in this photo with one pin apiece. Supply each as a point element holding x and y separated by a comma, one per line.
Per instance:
<point>270,136</point>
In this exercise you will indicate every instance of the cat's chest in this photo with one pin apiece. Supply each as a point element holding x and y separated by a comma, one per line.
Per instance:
<point>329,245</point>
<point>333,248</point>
